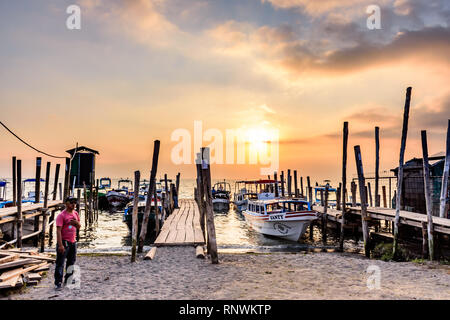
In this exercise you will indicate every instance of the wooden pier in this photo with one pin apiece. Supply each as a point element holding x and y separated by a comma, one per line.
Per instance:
<point>440,225</point>
<point>36,211</point>
<point>182,227</point>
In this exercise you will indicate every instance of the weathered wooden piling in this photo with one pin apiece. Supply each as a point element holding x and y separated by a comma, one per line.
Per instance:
<point>362,190</point>
<point>45,207</point>
<point>155,195</point>
<point>14,176</point>
<point>134,223</point>
<point>377,166</point>
<point>301,186</point>
<point>276,183</point>
<point>384,197</point>
<point>66,179</point>
<point>86,206</point>
<point>353,190</point>
<point>289,183</point>
<point>400,170</point>
<point>19,204</point>
<point>206,175</point>
<point>149,198</point>
<point>310,199</point>
<point>443,207</point>
<point>370,194</point>
<point>338,197</point>
<point>14,185</point>
<point>427,189</point>
<point>37,197</point>
<point>282,183</point>
<point>296,185</point>
<point>78,209</point>
<point>325,217</point>
<point>424,240</point>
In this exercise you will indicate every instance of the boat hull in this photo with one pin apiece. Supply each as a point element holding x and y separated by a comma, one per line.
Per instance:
<point>221,205</point>
<point>289,228</point>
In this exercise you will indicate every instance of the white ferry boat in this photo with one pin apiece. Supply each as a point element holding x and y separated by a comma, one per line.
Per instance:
<point>283,218</point>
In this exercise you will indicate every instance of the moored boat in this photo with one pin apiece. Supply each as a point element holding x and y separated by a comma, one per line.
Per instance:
<point>282,218</point>
<point>221,192</point>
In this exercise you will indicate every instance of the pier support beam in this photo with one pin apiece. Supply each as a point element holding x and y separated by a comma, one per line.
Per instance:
<point>400,170</point>
<point>362,190</point>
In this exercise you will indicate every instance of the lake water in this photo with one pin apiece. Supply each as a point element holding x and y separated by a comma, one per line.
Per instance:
<point>111,234</point>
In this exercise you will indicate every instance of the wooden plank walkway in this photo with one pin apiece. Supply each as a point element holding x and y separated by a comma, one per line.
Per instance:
<point>182,227</point>
<point>441,225</point>
<point>28,210</point>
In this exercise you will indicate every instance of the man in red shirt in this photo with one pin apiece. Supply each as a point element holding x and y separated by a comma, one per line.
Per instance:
<point>67,223</point>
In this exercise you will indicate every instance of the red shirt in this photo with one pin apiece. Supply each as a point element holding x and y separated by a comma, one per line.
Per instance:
<point>68,231</point>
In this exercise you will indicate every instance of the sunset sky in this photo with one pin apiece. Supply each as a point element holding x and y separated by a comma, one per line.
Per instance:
<point>140,69</point>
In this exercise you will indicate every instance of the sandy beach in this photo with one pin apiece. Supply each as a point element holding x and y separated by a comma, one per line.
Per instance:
<point>175,273</point>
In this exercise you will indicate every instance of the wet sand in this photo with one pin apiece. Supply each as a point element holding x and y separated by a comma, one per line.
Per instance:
<point>176,273</point>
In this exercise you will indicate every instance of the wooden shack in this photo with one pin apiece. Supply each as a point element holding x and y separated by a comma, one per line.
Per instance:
<point>82,169</point>
<point>413,195</point>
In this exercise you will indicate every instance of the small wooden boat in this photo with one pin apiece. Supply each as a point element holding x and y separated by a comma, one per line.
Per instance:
<point>120,197</point>
<point>128,215</point>
<point>282,218</point>
<point>221,196</point>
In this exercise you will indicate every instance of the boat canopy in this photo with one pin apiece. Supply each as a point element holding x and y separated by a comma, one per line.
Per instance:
<point>33,180</point>
<point>266,181</point>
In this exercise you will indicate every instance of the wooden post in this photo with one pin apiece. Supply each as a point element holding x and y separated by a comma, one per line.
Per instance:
<point>443,208</point>
<point>400,171</point>
<point>178,189</point>
<point>308,181</point>
<point>14,182</point>
<point>325,217</point>
<point>19,204</point>
<point>282,183</point>
<point>149,195</point>
<point>367,195</point>
<point>311,225</point>
<point>289,183</point>
<point>377,166</point>
<point>424,240</point>
<point>37,197</point>
<point>427,189</point>
<point>384,197</point>
<point>370,194</point>
<point>155,195</point>
<point>206,174</point>
<point>45,209</point>
<point>60,191</point>
<point>201,194</point>
<point>134,229</point>
<point>301,186</point>
<point>14,201</point>
<point>66,179</point>
<point>55,184</point>
<point>353,189</point>
<point>296,185</point>
<point>276,184</point>
<point>86,214</point>
<point>79,211</point>
<point>37,184</point>
<point>338,197</point>
<point>362,190</point>
<point>321,198</point>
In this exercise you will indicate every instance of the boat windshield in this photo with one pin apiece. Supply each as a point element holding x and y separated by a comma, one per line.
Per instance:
<point>286,206</point>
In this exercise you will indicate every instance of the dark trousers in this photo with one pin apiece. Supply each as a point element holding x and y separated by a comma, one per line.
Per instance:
<point>70,253</point>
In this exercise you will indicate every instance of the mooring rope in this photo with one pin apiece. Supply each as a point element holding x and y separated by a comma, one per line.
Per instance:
<point>20,139</point>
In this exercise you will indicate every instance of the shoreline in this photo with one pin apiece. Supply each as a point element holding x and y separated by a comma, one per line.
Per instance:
<point>176,273</point>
